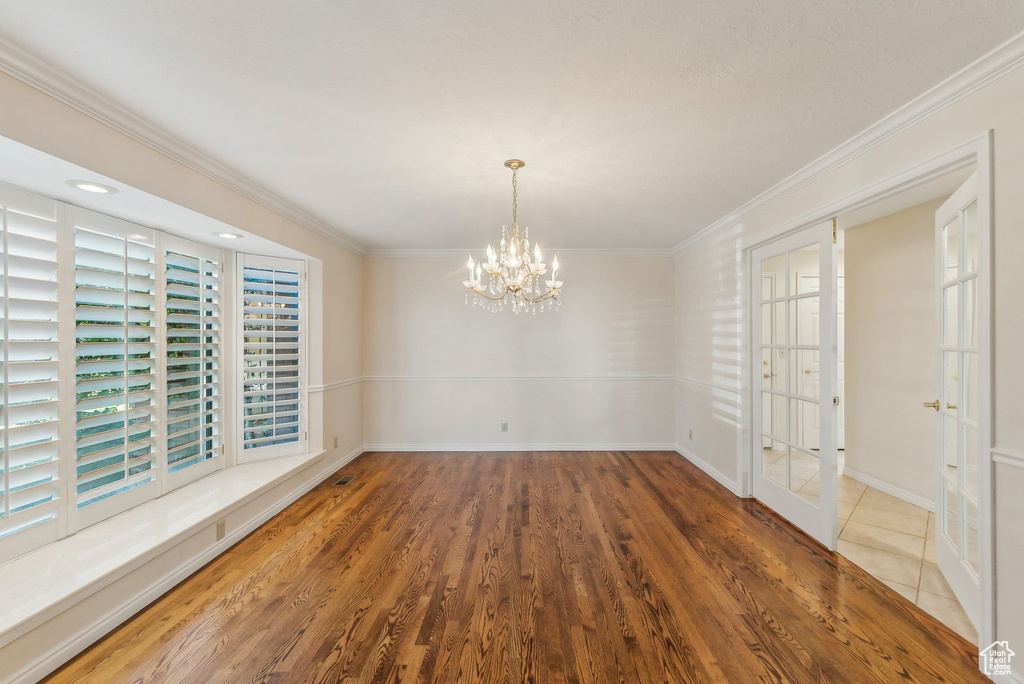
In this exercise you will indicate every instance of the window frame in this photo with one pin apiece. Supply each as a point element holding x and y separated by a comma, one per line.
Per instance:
<point>300,446</point>
<point>79,518</point>
<point>16,542</point>
<point>219,461</point>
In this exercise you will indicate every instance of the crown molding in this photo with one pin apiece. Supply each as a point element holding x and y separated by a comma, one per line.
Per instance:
<point>986,69</point>
<point>447,252</point>
<point>46,78</point>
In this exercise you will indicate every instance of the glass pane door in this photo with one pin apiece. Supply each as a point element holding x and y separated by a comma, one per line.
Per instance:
<point>957,534</point>
<point>793,307</point>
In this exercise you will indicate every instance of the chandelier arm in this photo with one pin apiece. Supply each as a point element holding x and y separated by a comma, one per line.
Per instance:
<point>550,294</point>
<point>487,296</point>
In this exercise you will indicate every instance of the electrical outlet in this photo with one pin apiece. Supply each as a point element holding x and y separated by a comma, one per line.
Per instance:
<point>335,442</point>
<point>691,433</point>
<point>220,530</point>
<point>504,426</point>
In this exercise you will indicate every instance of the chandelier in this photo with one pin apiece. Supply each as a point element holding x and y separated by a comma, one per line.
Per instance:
<point>510,279</point>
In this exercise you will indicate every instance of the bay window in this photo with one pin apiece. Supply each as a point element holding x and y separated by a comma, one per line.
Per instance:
<point>116,367</point>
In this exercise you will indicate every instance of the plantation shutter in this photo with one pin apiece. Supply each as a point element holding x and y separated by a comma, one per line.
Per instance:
<point>29,463</point>
<point>115,361</point>
<point>193,394</point>
<point>272,355</point>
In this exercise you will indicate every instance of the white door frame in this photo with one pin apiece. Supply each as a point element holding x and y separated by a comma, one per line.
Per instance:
<point>976,151</point>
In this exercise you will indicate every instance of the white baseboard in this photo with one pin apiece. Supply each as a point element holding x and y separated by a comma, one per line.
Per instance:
<point>74,644</point>
<point>709,469</point>
<point>890,489</point>
<point>521,447</point>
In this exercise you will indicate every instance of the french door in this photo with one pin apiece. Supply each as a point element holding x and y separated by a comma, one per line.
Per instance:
<point>793,297</point>
<point>958,241</point>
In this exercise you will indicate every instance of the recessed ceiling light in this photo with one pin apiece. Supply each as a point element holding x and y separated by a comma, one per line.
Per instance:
<point>90,186</point>
<point>229,236</point>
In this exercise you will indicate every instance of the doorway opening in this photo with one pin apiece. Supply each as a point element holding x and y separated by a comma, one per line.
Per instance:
<point>901,450</point>
<point>835,444</point>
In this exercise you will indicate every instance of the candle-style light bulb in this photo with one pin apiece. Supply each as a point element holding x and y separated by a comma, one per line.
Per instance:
<point>554,267</point>
<point>470,264</point>
<point>536,253</point>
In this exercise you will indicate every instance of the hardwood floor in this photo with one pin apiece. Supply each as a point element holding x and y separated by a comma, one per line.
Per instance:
<point>543,567</point>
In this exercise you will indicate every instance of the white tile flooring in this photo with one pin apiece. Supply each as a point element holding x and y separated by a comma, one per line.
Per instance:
<point>888,537</point>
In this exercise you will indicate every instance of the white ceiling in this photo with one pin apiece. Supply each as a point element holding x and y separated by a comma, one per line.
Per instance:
<point>640,122</point>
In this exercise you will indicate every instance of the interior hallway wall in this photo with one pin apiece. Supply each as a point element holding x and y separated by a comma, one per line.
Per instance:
<point>891,336</point>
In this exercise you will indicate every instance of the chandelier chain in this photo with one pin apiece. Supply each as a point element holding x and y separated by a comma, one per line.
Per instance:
<point>515,197</point>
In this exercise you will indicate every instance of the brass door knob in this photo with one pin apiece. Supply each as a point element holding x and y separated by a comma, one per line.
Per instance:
<point>807,371</point>
<point>768,375</point>
<point>932,404</point>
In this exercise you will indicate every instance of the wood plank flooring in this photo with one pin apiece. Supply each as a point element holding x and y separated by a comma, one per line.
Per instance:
<point>538,567</point>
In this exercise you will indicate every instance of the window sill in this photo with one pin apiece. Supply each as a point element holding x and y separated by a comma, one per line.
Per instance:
<point>47,581</point>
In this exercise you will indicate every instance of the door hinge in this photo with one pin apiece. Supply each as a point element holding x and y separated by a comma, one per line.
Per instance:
<point>835,229</point>
<point>835,401</point>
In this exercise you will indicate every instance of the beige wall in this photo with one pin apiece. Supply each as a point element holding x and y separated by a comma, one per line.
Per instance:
<point>891,323</point>
<point>598,372</point>
<point>713,269</point>
<point>38,120</point>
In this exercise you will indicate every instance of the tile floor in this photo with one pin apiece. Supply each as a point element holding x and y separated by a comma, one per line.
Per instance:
<point>888,537</point>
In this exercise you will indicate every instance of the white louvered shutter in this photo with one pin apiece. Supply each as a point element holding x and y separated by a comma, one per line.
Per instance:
<point>272,357</point>
<point>29,467</point>
<point>115,363</point>
<point>193,394</point>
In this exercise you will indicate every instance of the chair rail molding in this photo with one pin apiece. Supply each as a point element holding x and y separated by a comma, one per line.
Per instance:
<point>55,83</point>
<point>1008,457</point>
<point>709,385</point>
<point>998,62</point>
<point>533,378</point>
<point>335,385</point>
